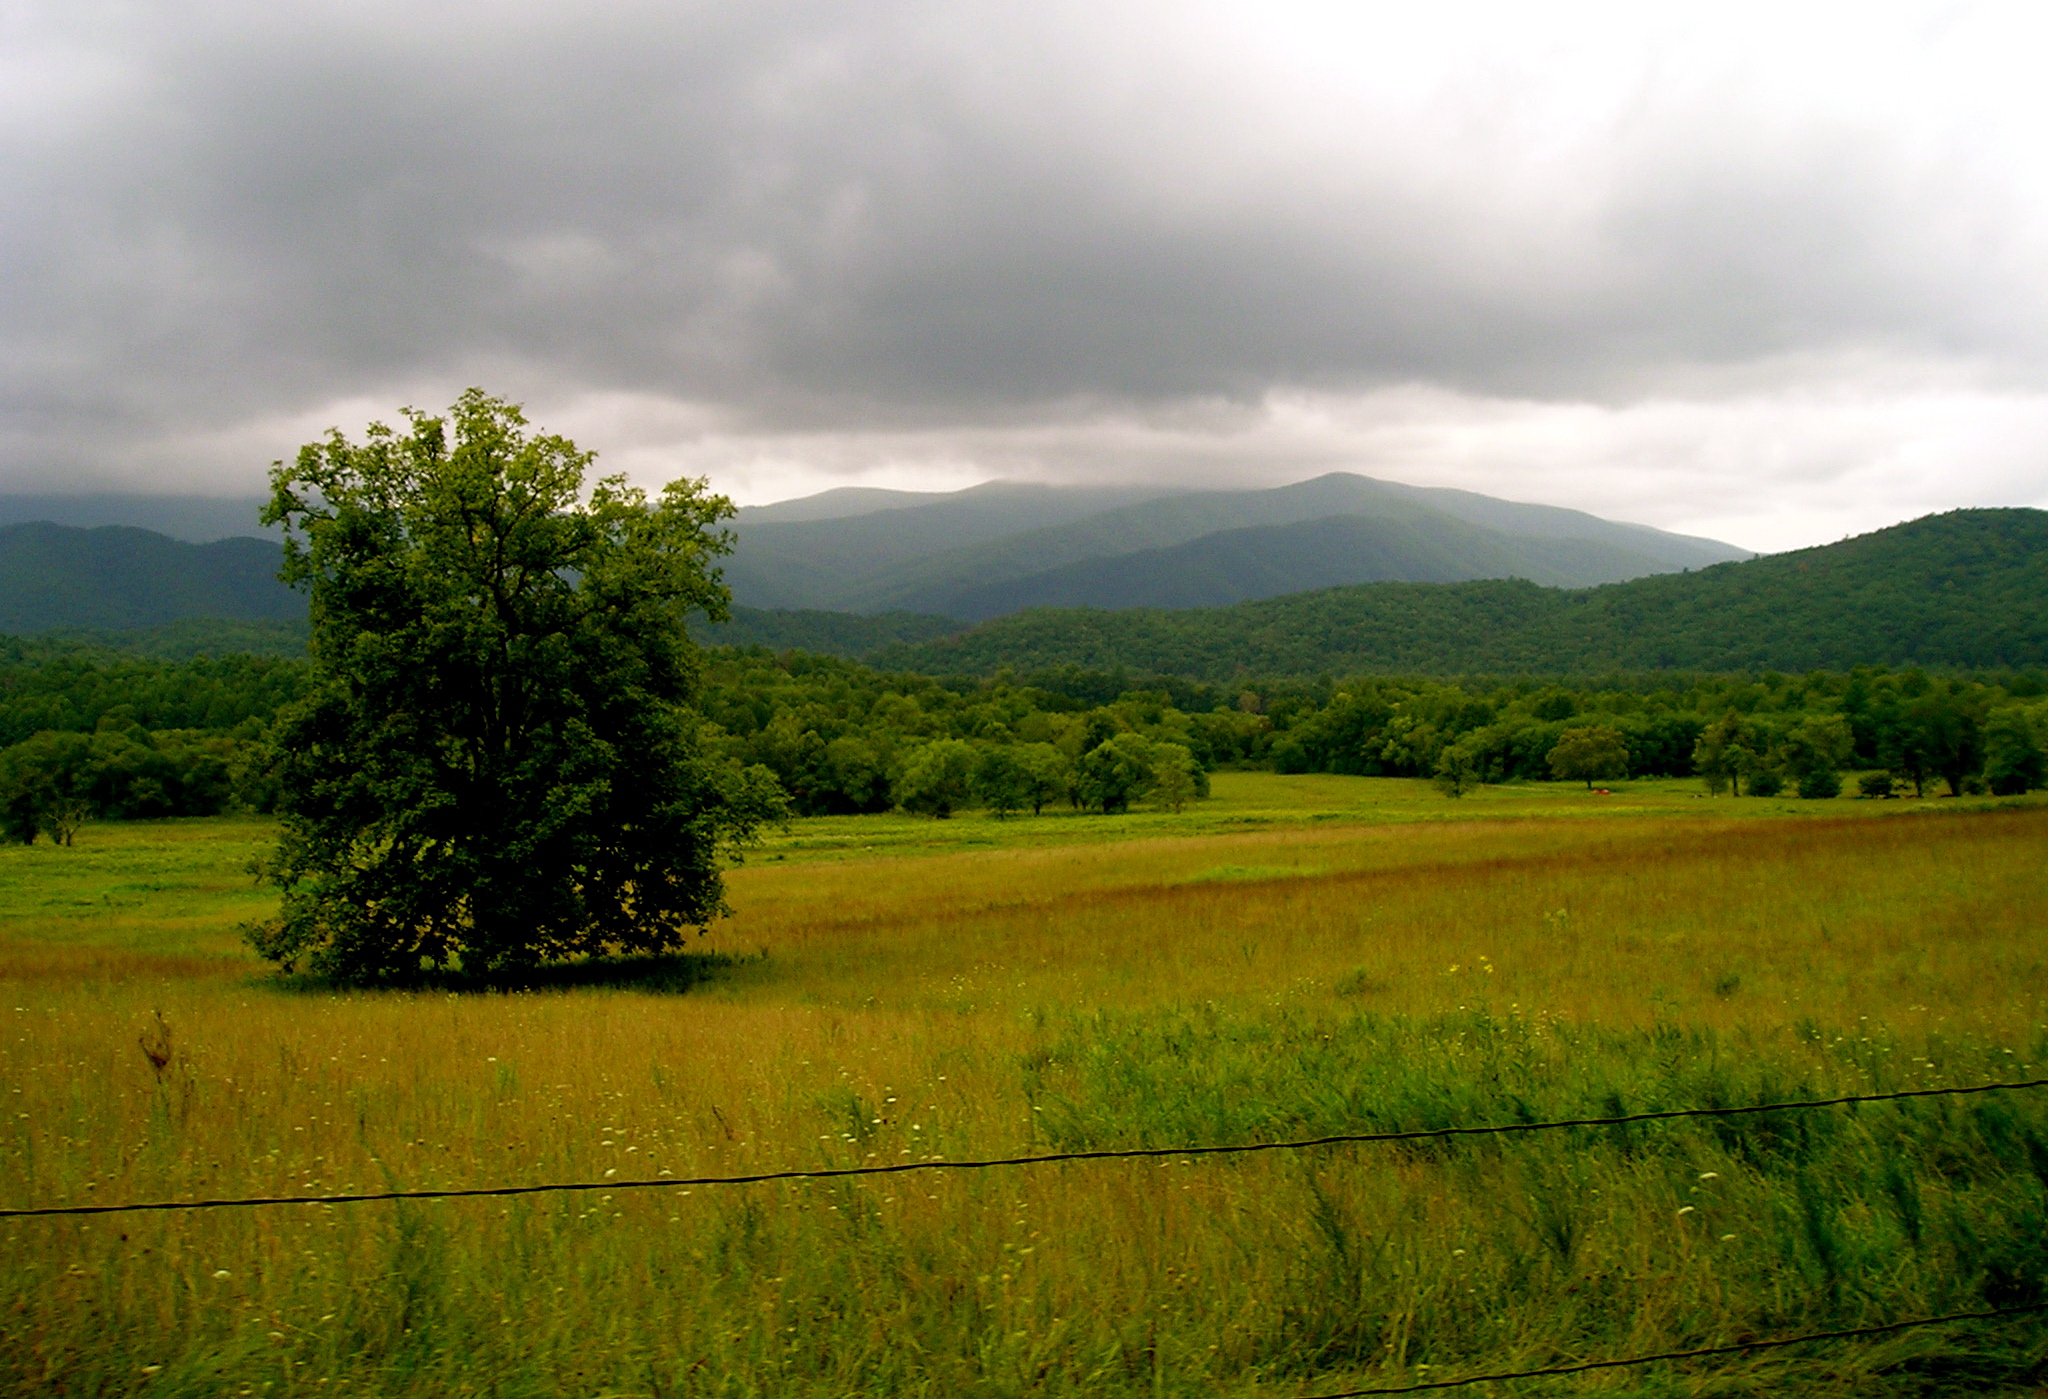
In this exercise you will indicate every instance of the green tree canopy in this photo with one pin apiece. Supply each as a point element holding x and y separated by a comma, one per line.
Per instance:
<point>1594,753</point>
<point>495,763</point>
<point>1176,776</point>
<point>1813,752</point>
<point>1115,772</point>
<point>937,778</point>
<point>1457,768</point>
<point>45,787</point>
<point>2014,759</point>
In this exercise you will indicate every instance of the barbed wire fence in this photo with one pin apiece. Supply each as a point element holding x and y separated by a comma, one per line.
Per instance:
<point>939,1164</point>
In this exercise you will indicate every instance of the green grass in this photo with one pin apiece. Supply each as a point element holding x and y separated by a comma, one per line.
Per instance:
<point>1300,956</point>
<point>1250,800</point>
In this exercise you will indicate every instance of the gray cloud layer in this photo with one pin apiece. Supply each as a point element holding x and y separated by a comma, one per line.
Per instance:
<point>879,234</point>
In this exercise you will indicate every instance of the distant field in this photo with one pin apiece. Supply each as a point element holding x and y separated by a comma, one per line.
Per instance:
<point>1301,955</point>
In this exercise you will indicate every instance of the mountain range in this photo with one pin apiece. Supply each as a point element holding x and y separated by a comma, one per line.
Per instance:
<point>1000,547</point>
<point>1964,589</point>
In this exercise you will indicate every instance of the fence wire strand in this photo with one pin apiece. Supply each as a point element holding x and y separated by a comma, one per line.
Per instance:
<point>1851,1334</point>
<point>990,1163</point>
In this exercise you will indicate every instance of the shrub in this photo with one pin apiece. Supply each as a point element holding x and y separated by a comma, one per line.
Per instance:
<point>1820,784</point>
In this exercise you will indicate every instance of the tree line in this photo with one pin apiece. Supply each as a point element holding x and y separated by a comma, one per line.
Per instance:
<point>99,736</point>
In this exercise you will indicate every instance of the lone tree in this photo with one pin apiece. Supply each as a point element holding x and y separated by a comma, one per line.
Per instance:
<point>1595,753</point>
<point>1177,778</point>
<point>495,764</point>
<point>1457,769</point>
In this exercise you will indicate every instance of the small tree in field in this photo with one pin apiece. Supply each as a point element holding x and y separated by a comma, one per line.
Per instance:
<point>1457,770</point>
<point>1593,754</point>
<point>496,763</point>
<point>1176,776</point>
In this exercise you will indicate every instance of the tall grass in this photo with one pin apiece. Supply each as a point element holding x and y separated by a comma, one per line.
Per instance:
<point>1221,987</point>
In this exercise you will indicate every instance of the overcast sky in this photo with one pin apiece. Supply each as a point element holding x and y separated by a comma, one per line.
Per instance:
<point>1774,273</point>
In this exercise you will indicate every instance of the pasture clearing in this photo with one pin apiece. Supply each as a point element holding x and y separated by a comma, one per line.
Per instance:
<point>1301,955</point>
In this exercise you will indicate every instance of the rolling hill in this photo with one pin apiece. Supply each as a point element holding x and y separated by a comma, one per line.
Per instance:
<point>135,589</point>
<point>1963,589</point>
<point>57,576</point>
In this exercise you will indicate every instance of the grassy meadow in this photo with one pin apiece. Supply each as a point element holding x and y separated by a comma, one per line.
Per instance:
<point>1299,955</point>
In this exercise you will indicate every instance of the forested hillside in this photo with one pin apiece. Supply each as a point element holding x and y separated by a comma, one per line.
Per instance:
<point>1264,561</point>
<point>54,576</point>
<point>850,634</point>
<point>1960,589</point>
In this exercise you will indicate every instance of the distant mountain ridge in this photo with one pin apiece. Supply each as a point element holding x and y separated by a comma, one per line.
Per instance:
<point>195,519</point>
<point>115,577</point>
<point>996,548</point>
<point>850,562</point>
<point>1960,590</point>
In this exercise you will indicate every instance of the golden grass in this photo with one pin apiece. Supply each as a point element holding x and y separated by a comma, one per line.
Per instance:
<point>936,998</point>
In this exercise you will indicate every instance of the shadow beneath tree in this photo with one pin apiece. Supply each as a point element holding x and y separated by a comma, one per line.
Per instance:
<point>670,974</point>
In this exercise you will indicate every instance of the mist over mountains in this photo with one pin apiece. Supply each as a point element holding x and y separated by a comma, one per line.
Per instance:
<point>1004,546</point>
<point>192,519</point>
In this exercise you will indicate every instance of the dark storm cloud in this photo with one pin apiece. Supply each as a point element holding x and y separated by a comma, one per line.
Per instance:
<point>814,216</point>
